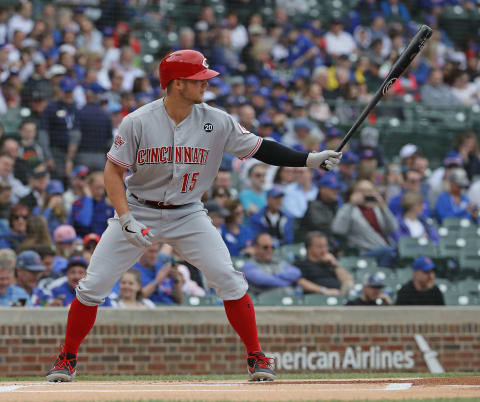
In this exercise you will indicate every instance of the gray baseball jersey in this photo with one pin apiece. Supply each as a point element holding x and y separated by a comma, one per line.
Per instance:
<point>176,164</point>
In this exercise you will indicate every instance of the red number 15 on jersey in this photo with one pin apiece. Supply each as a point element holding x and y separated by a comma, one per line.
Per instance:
<point>189,178</point>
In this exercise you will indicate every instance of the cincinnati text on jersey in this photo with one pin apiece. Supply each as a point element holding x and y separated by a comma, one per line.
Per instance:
<point>182,155</point>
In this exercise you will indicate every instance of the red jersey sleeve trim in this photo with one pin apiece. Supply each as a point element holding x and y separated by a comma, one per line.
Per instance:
<point>255,148</point>
<point>118,162</point>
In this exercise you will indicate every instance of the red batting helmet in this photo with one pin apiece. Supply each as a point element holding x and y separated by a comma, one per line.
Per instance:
<point>188,64</point>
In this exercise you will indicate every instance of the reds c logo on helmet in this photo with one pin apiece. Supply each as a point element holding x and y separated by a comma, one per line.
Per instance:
<point>187,64</point>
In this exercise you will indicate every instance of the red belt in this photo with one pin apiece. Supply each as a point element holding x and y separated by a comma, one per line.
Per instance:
<point>156,204</point>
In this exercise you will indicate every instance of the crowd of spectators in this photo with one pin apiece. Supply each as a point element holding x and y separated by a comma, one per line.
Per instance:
<point>68,77</point>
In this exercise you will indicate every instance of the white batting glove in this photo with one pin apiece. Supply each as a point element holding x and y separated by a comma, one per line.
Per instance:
<point>329,158</point>
<point>135,232</point>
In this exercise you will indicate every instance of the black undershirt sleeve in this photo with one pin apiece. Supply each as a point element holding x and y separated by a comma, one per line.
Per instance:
<point>273,153</point>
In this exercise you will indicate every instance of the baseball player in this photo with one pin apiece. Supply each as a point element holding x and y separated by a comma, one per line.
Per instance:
<point>173,148</point>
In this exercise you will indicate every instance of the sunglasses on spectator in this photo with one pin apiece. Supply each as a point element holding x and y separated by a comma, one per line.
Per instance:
<point>19,216</point>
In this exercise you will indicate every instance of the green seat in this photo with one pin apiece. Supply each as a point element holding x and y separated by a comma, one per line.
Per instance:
<point>411,248</point>
<point>201,301</point>
<point>360,263</point>
<point>323,300</point>
<point>451,246</point>
<point>469,262</point>
<point>403,275</point>
<point>273,298</point>
<point>459,299</point>
<point>238,263</point>
<point>456,223</point>
<point>291,252</point>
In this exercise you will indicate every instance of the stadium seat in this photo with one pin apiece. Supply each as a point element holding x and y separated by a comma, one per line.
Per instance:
<point>291,252</point>
<point>201,301</point>
<point>451,246</point>
<point>360,263</point>
<point>323,300</point>
<point>278,299</point>
<point>459,299</point>
<point>411,248</point>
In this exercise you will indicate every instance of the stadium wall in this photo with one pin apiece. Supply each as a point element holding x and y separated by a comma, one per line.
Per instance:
<point>198,340</point>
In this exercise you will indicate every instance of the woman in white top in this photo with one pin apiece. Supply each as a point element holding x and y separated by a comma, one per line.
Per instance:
<point>130,292</point>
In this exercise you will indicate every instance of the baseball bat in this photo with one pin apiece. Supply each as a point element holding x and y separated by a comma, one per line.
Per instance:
<point>413,48</point>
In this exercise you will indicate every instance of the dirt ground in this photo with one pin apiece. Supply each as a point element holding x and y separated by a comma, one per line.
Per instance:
<point>283,390</point>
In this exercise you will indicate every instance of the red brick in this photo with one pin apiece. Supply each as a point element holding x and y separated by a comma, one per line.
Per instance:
<point>95,349</point>
<point>29,359</point>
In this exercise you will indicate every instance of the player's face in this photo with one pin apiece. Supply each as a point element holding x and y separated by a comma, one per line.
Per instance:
<point>193,90</point>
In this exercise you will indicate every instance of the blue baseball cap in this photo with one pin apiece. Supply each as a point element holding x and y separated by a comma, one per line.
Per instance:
<point>299,103</point>
<point>368,154</point>
<point>275,192</point>
<point>252,80</point>
<point>262,91</point>
<point>67,84</point>
<point>79,171</point>
<point>452,158</point>
<point>75,262</point>
<point>349,157</point>
<point>95,87</point>
<point>424,264</point>
<point>30,260</point>
<point>374,280</point>
<point>108,32</point>
<point>302,122</point>
<point>114,107</point>
<point>265,120</point>
<point>329,180</point>
<point>55,187</point>
<point>333,132</point>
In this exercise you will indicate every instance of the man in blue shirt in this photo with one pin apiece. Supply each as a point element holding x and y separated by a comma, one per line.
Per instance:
<point>161,283</point>
<point>10,294</point>
<point>29,270</point>
<point>299,193</point>
<point>91,212</point>
<point>62,291</point>
<point>453,203</point>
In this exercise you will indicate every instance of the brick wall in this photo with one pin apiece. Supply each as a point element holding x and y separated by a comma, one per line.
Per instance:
<point>199,340</point>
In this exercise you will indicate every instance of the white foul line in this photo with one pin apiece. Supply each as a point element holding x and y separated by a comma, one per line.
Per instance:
<point>398,386</point>
<point>10,388</point>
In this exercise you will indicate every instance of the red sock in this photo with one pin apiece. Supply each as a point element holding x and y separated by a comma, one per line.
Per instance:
<point>79,323</point>
<point>241,315</point>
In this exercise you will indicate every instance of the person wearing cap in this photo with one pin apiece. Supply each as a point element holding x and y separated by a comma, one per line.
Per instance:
<point>321,271</point>
<point>77,186</point>
<point>10,294</point>
<point>266,273</point>
<point>63,237</point>
<point>299,193</point>
<point>302,128</point>
<point>412,181</point>
<point>37,182</point>
<point>466,144</point>
<point>90,242</point>
<point>421,290</point>
<point>372,292</point>
<point>338,42</point>
<point>321,211</point>
<point>369,139</point>
<point>407,154</point>
<point>91,212</point>
<point>454,203</point>
<point>366,223</point>
<point>438,180</point>
<point>60,125</point>
<point>29,151</point>
<point>347,171</point>
<point>216,213</point>
<point>29,270</point>
<point>272,220</point>
<point>51,207</point>
<point>368,167</point>
<point>96,130</point>
<point>61,292</point>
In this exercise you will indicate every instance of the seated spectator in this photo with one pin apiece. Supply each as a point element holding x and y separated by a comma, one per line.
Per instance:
<point>272,220</point>
<point>62,291</point>
<point>221,195</point>
<point>29,151</point>
<point>339,42</point>
<point>254,198</point>
<point>454,203</point>
<point>130,292</point>
<point>29,270</point>
<point>264,272</point>
<point>10,294</point>
<point>466,144</point>
<point>17,221</point>
<point>299,193</point>
<point>19,190</point>
<point>392,181</point>
<point>5,203</point>
<point>411,183</point>
<point>37,234</point>
<point>78,186</point>
<point>216,213</point>
<point>90,242</point>
<point>474,194</point>
<point>63,237</point>
<point>322,210</point>
<point>436,93</point>
<point>237,236</point>
<point>38,182</point>
<point>321,272</point>
<point>284,176</point>
<point>372,292</point>
<point>438,180</point>
<point>411,223</point>
<point>347,172</point>
<point>421,290</point>
<point>162,284</point>
<point>90,213</point>
<point>47,254</point>
<point>366,223</point>
<point>51,207</point>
